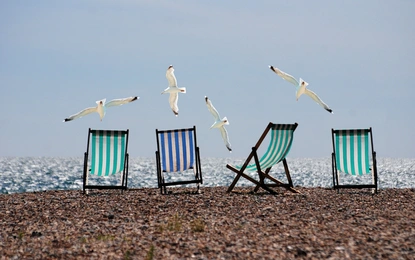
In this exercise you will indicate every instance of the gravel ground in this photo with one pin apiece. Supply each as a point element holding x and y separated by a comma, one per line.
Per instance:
<point>319,223</point>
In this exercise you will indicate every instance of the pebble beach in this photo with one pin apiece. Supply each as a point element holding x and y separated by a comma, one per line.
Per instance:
<point>318,223</point>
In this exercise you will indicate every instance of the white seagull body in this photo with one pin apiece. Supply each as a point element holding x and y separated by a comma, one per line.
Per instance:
<point>173,90</point>
<point>219,123</point>
<point>301,88</point>
<point>101,108</point>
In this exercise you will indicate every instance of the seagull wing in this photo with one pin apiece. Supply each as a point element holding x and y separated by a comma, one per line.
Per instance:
<point>317,99</point>
<point>170,77</point>
<point>225,138</point>
<point>82,113</point>
<point>174,97</point>
<point>284,75</point>
<point>212,109</point>
<point>120,101</point>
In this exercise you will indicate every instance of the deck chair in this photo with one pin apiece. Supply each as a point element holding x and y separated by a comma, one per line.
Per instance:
<point>280,143</point>
<point>353,153</point>
<point>108,152</point>
<point>177,152</point>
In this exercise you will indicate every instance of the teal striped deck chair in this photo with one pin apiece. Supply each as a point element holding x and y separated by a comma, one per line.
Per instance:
<point>281,138</point>
<point>177,154</point>
<point>106,156</point>
<point>353,154</point>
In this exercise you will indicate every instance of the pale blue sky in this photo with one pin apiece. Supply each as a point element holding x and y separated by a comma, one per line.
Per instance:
<point>58,57</point>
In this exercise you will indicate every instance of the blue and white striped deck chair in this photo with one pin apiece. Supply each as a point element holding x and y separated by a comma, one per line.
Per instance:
<point>281,138</point>
<point>353,154</point>
<point>107,150</point>
<point>177,152</point>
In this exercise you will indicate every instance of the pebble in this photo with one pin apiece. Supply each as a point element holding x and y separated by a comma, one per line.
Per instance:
<point>143,224</point>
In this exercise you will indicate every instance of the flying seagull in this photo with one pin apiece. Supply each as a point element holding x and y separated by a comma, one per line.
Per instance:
<point>173,90</point>
<point>101,107</point>
<point>219,123</point>
<point>301,88</point>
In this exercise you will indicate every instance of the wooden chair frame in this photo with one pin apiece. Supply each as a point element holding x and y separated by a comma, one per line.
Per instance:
<point>264,173</point>
<point>198,179</point>
<point>124,173</point>
<point>335,171</point>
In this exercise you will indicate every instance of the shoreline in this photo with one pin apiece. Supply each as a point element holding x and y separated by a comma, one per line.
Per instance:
<point>142,224</point>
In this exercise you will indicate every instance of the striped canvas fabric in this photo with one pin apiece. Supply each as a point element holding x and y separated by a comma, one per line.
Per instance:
<point>177,150</point>
<point>352,151</point>
<point>107,152</point>
<point>279,146</point>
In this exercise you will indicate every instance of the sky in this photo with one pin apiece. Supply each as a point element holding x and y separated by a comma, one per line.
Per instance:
<point>59,57</point>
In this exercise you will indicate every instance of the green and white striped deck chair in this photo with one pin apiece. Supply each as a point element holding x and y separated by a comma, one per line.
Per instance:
<point>353,154</point>
<point>106,156</point>
<point>281,138</point>
<point>177,152</point>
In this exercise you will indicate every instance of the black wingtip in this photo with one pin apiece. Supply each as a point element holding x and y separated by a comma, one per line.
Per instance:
<point>134,99</point>
<point>331,111</point>
<point>206,98</point>
<point>67,120</point>
<point>271,68</point>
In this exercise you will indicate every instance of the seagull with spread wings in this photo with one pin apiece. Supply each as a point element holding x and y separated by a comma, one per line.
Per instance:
<point>173,90</point>
<point>101,108</point>
<point>301,87</point>
<point>219,123</point>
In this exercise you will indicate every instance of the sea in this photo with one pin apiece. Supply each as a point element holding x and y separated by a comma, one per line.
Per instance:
<point>32,174</point>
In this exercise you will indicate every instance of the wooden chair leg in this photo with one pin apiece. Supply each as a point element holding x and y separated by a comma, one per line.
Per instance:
<point>236,177</point>
<point>234,183</point>
<point>287,172</point>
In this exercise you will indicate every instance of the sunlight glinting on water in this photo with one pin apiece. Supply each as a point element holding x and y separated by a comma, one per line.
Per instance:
<point>28,174</point>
